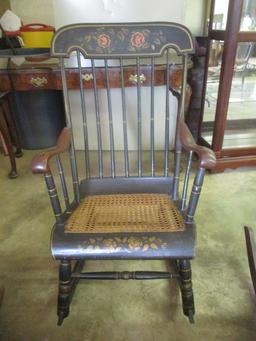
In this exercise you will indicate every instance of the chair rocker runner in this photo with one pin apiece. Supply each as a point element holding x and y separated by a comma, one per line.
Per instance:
<point>129,209</point>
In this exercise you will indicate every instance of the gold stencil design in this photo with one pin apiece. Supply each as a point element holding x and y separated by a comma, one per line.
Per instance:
<point>116,244</point>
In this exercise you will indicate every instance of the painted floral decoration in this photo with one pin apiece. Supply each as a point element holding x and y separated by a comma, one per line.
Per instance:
<point>134,243</point>
<point>104,40</point>
<point>114,244</point>
<point>110,244</point>
<point>137,39</point>
<point>122,40</point>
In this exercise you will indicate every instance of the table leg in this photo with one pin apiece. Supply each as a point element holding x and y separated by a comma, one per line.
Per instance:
<point>1,295</point>
<point>12,128</point>
<point>6,135</point>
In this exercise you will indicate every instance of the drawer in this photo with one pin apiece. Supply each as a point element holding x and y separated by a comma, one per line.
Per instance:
<point>32,80</point>
<point>36,79</point>
<point>4,82</point>
<point>130,77</point>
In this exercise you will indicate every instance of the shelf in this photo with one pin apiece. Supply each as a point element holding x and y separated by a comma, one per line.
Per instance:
<point>25,52</point>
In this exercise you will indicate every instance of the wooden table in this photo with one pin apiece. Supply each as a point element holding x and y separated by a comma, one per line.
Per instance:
<point>8,131</point>
<point>46,76</point>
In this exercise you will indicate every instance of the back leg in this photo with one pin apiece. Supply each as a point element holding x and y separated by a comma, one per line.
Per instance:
<point>184,268</point>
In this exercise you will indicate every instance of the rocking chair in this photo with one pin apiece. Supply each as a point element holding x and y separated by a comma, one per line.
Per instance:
<point>130,209</point>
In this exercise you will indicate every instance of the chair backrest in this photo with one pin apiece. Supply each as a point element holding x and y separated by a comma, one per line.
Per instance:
<point>218,21</point>
<point>117,68</point>
<point>243,53</point>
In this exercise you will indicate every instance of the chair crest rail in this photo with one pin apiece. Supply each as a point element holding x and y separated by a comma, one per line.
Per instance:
<point>122,39</point>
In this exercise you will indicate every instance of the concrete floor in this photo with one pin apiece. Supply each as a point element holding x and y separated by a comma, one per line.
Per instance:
<point>131,310</point>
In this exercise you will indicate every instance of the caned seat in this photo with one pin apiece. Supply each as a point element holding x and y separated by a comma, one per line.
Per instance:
<point>121,213</point>
<point>125,203</point>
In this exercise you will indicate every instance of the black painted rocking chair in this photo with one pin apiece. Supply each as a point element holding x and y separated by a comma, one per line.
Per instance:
<point>128,210</point>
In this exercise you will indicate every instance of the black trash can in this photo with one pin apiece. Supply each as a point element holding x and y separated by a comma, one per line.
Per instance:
<point>39,117</point>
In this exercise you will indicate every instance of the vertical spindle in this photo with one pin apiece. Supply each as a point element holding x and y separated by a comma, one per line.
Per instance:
<point>167,118</point>
<point>177,154</point>
<point>97,111</point>
<point>110,119</point>
<point>73,164</point>
<point>126,156</point>
<point>152,118</point>
<point>84,117</point>
<point>139,117</point>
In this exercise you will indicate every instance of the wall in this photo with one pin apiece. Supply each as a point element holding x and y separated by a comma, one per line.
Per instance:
<point>186,12</point>
<point>34,11</point>
<point>194,17</point>
<point>4,5</point>
<point>190,13</point>
<point>116,10</point>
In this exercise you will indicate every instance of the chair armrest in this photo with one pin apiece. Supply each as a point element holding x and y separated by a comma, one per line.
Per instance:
<point>207,159</point>
<point>40,163</point>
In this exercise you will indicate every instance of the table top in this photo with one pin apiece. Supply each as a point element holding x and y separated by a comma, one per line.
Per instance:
<point>24,52</point>
<point>32,58</point>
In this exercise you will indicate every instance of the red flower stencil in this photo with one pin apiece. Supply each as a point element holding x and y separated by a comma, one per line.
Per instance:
<point>137,39</point>
<point>104,40</point>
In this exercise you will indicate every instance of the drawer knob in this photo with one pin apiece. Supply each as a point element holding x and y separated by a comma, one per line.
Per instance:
<point>87,77</point>
<point>134,78</point>
<point>38,81</point>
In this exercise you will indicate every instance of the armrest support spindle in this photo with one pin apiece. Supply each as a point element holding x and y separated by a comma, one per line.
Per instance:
<point>195,193</point>
<point>63,183</point>
<point>185,186</point>
<point>52,191</point>
<point>207,160</point>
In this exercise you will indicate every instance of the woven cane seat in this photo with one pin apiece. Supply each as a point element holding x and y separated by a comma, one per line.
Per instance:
<point>125,213</point>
